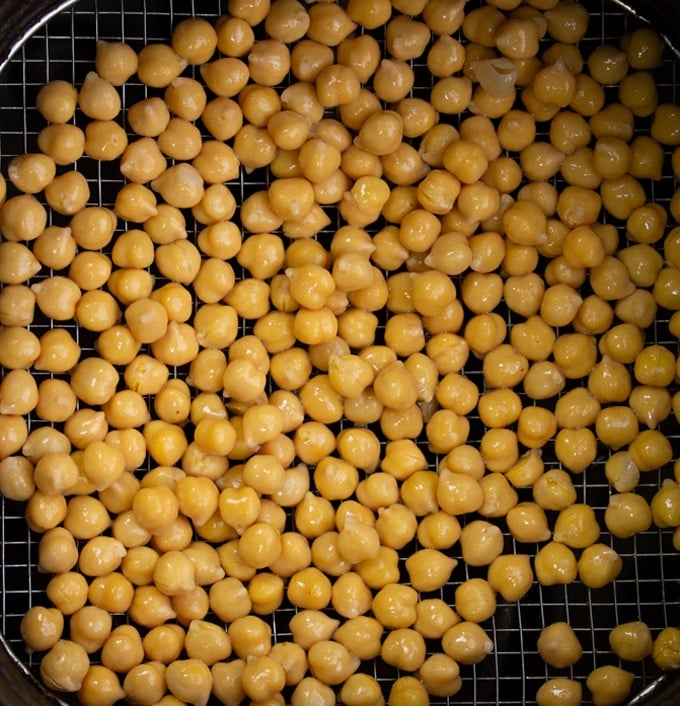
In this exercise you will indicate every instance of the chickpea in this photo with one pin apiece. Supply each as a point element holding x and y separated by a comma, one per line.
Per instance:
<point>664,504</point>
<point>467,643</point>
<point>64,666</point>
<point>559,646</point>
<point>559,690</point>
<point>665,648</point>
<point>510,575</point>
<point>599,565</point>
<point>631,641</point>
<point>609,684</point>
<point>481,542</point>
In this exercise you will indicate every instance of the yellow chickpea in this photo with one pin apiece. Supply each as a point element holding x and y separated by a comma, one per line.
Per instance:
<point>609,684</point>
<point>559,645</point>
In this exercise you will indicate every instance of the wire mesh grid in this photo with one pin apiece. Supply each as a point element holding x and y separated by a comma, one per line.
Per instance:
<point>648,588</point>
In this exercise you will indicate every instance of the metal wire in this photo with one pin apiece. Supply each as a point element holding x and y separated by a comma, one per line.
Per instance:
<point>649,586</point>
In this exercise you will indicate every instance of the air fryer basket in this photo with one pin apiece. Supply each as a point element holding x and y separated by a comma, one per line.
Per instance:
<point>60,43</point>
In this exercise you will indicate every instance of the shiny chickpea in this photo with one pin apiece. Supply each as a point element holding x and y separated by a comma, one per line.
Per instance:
<point>41,628</point>
<point>609,684</point>
<point>510,575</point>
<point>631,641</point>
<point>665,649</point>
<point>555,563</point>
<point>467,643</point>
<point>559,690</point>
<point>576,526</point>
<point>64,666</point>
<point>559,646</point>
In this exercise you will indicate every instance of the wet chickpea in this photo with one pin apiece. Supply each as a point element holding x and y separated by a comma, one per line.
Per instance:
<point>638,92</point>
<point>609,684</point>
<point>517,38</point>
<point>654,365</point>
<point>44,512</point>
<point>642,262</point>
<point>576,526</point>
<point>145,681</point>
<point>64,666</point>
<point>467,643</point>
<point>576,448</point>
<point>41,628</point>
<point>527,522</point>
<point>135,203</point>
<point>540,160</point>
<point>90,627</point>
<point>616,426</point>
<point>631,641</point>
<point>664,504</point>
<point>498,495</point>
<point>559,645</point>
<point>56,551</point>
<point>650,404</point>
<point>510,575</point>
<point>665,648</point>
<point>554,490</point>
<point>555,563</point>
<point>394,78</point>
<point>643,48</point>
<point>404,648</point>
<point>524,293</point>
<point>559,690</point>
<point>569,131</point>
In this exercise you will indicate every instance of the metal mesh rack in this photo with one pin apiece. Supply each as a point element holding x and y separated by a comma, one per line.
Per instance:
<point>649,586</point>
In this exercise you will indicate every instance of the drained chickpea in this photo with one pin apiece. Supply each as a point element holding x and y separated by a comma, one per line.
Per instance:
<point>599,565</point>
<point>56,101</point>
<point>41,628</point>
<point>631,641</point>
<point>63,143</point>
<point>609,684</point>
<point>64,666</point>
<point>467,643</point>
<point>559,646</point>
<point>559,690</point>
<point>555,563</point>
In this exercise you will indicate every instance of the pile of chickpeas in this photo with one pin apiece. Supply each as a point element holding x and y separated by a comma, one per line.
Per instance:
<point>407,348</point>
